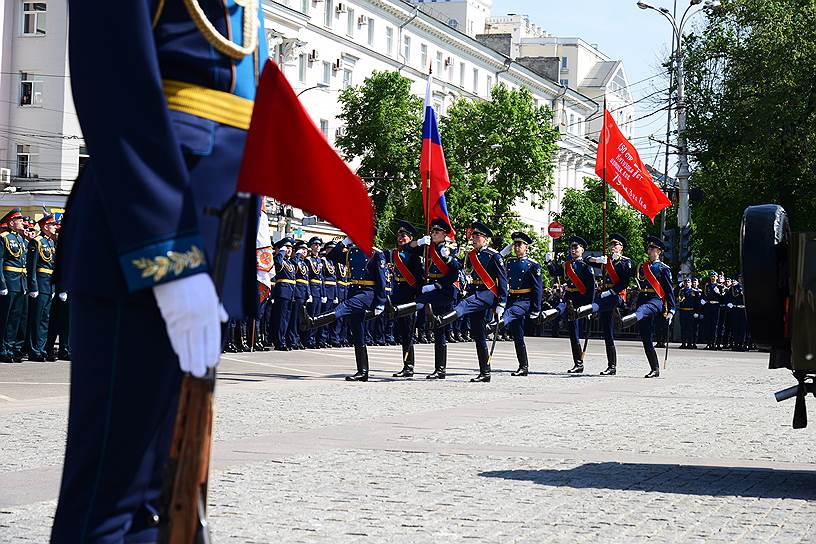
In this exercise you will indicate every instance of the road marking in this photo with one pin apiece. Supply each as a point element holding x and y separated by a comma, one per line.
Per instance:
<point>4,397</point>
<point>34,383</point>
<point>268,365</point>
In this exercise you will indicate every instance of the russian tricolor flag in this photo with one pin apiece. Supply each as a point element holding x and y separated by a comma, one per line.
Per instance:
<point>435,179</point>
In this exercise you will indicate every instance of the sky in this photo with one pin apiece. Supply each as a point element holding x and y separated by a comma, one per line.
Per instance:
<point>640,38</point>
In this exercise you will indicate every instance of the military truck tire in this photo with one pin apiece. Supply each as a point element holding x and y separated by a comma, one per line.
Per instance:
<point>764,244</point>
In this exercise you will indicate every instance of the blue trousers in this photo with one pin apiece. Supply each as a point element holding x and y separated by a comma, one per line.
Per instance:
<point>293,332</point>
<point>313,308</point>
<point>353,309</point>
<point>647,312</point>
<point>281,315</point>
<point>711,315</point>
<point>124,389</point>
<point>605,308</point>
<point>477,306</point>
<point>514,317</point>
<point>574,328</point>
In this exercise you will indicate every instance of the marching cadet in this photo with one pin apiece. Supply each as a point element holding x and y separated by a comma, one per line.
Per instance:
<point>580,291</point>
<point>366,298</point>
<point>284,293</point>
<point>686,305</point>
<point>12,284</point>
<point>325,335</point>
<point>738,317</point>
<point>710,302</point>
<point>486,293</point>
<point>301,294</point>
<point>655,300</point>
<point>401,307</point>
<point>316,299</point>
<point>40,268</point>
<point>617,272</point>
<point>166,139</point>
<point>524,298</point>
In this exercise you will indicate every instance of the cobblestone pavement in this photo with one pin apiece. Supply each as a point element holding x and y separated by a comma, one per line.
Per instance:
<point>702,454</point>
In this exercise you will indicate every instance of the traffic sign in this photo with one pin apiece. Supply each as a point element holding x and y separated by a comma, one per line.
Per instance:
<point>555,230</point>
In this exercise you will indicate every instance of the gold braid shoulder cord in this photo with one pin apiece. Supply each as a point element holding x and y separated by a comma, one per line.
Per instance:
<point>218,41</point>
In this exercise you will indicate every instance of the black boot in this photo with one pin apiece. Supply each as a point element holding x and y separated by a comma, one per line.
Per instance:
<point>582,311</point>
<point>307,322</point>
<point>612,361</point>
<point>393,312</point>
<point>547,316</point>
<point>654,364</point>
<point>628,320</point>
<point>361,356</point>
<point>484,365</point>
<point>440,362</point>
<point>441,321</point>
<point>407,364</point>
<point>521,354</point>
<point>578,368</point>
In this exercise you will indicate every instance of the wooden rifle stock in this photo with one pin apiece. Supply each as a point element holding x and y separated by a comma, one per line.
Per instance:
<point>184,516</point>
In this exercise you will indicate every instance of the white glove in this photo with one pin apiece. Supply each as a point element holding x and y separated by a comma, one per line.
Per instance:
<point>378,310</point>
<point>193,317</point>
<point>282,251</point>
<point>607,293</point>
<point>3,292</point>
<point>324,300</point>
<point>424,241</point>
<point>428,288</point>
<point>702,301</point>
<point>309,299</point>
<point>730,305</point>
<point>499,311</point>
<point>444,252</point>
<point>63,296</point>
<point>347,241</point>
<point>506,250</point>
<point>335,300</point>
<point>696,316</point>
<point>598,260</point>
<point>33,294</point>
<point>670,317</point>
<point>548,257</point>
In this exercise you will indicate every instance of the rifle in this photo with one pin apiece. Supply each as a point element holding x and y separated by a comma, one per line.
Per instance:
<point>186,476</point>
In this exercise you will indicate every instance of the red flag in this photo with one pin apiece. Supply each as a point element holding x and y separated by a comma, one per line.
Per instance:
<point>287,158</point>
<point>619,164</point>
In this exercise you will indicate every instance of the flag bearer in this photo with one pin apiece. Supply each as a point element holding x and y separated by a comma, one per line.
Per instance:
<point>402,308</point>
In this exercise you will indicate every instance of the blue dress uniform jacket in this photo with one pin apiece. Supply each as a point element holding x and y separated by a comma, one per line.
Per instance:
<point>404,292</point>
<point>442,298</point>
<point>40,270</point>
<point>138,214</point>
<point>315,307</point>
<point>583,270</point>
<point>480,298</point>
<point>524,282</point>
<point>284,294</point>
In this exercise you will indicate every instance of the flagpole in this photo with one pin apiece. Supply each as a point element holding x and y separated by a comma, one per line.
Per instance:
<point>428,190</point>
<point>604,139</point>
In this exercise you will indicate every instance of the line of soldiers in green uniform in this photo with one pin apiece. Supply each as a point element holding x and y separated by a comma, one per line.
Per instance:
<point>33,310</point>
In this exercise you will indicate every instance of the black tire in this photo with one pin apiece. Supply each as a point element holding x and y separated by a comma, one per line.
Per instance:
<point>764,245</point>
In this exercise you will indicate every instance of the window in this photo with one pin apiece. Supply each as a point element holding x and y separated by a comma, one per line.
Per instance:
<point>328,15</point>
<point>350,22</point>
<point>83,157</point>
<point>475,80</point>
<point>347,78</point>
<point>406,52</point>
<point>563,63</point>
<point>423,56</point>
<point>461,74</point>
<point>324,128</point>
<point>327,70</point>
<point>370,31</point>
<point>565,82</point>
<point>302,67</point>
<point>389,41</point>
<point>25,161</point>
<point>304,6</point>
<point>571,127</point>
<point>489,84</point>
<point>33,18</point>
<point>439,63</point>
<point>31,90</point>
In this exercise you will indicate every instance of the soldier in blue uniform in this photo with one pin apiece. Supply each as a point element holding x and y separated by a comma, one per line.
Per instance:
<point>407,266</point>
<point>616,273</point>
<point>580,291</point>
<point>524,298</point>
<point>710,303</point>
<point>58,321</point>
<point>283,293</point>
<point>655,300</point>
<point>325,335</point>
<point>166,139</point>
<point>12,285</point>
<point>317,297</point>
<point>487,293</point>
<point>366,298</point>
<point>738,317</point>
<point>301,294</point>
<point>40,269</point>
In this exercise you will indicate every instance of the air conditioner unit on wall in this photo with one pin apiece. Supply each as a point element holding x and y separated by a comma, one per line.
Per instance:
<point>313,56</point>
<point>448,61</point>
<point>362,20</point>
<point>338,65</point>
<point>341,7</point>
<point>5,176</point>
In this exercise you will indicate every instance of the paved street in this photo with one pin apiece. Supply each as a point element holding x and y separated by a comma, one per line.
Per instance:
<point>702,454</point>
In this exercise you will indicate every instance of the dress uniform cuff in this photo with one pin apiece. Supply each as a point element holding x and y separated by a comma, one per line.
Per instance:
<point>163,261</point>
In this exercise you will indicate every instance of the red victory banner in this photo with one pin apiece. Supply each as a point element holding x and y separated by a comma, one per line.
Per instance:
<point>619,165</point>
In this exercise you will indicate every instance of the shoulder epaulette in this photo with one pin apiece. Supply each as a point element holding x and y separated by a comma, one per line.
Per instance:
<point>4,234</point>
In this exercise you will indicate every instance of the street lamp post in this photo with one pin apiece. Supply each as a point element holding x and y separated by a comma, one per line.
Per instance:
<point>683,215</point>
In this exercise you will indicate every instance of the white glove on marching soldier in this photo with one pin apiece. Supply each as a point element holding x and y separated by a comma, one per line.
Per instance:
<point>607,293</point>
<point>598,260</point>
<point>499,311</point>
<point>444,252</point>
<point>429,288</point>
<point>506,250</point>
<point>193,317</point>
<point>669,317</point>
<point>424,241</point>
<point>33,294</point>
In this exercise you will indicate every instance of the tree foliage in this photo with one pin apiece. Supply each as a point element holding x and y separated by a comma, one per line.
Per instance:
<point>751,120</point>
<point>582,215</point>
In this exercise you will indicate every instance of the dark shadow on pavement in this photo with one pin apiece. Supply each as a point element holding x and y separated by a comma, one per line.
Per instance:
<point>761,483</point>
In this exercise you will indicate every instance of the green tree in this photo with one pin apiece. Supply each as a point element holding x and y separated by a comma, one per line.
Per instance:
<point>498,151</point>
<point>751,120</point>
<point>582,215</point>
<point>383,123</point>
